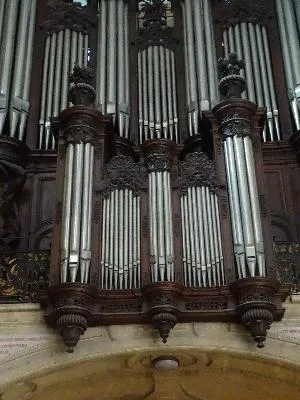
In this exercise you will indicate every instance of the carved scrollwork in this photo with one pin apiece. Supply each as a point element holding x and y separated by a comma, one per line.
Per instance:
<point>235,124</point>
<point>197,170</point>
<point>235,11</point>
<point>79,133</point>
<point>63,15</point>
<point>122,173</point>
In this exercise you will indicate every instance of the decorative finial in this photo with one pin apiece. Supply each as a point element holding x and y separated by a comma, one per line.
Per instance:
<point>81,90</point>
<point>231,84</point>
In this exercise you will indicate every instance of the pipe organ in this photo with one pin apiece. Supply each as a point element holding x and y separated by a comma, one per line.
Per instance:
<point>17,21</point>
<point>63,49</point>
<point>161,210</point>
<point>288,13</point>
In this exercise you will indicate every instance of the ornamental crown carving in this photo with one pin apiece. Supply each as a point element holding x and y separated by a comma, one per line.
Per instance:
<point>235,124</point>
<point>63,15</point>
<point>197,170</point>
<point>231,84</point>
<point>81,90</point>
<point>232,12</point>
<point>122,173</point>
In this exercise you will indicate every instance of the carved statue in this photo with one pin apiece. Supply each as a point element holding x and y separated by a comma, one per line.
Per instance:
<point>12,178</point>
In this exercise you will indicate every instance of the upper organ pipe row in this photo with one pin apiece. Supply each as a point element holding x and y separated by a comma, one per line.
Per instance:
<point>288,14</point>
<point>158,116</point>
<point>200,60</point>
<point>17,19</point>
<point>62,50</point>
<point>250,42</point>
<point>113,62</point>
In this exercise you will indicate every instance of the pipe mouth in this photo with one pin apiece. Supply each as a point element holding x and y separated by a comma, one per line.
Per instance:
<point>165,363</point>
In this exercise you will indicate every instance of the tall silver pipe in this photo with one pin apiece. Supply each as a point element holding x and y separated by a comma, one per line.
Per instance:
<point>66,212</point>
<point>154,215</point>
<point>101,62</point>
<point>150,91</point>
<point>116,238</point>
<point>169,91</point>
<point>167,227</point>
<point>138,242</point>
<point>174,96</point>
<point>120,66</point>
<point>183,229</point>
<point>200,212</point>
<point>220,241</point>
<point>161,231</point>
<point>130,239</point>
<point>271,81</point>
<point>85,255</point>
<point>192,234</point>
<point>134,241</point>
<point>76,202</point>
<point>86,50</point>
<point>145,95</point>
<point>58,70</point>
<point>111,238</point>
<point>104,253</point>
<point>111,56</point>
<point>164,93</point>
<point>211,237</point>
<point>27,70</point>
<point>141,79</point>
<point>7,48</point>
<point>17,100</point>
<point>127,77</point>
<point>264,79</point>
<point>259,245</point>
<point>206,236</point>
<point>65,69</point>
<point>211,58</point>
<point>215,239</point>
<point>255,62</point>
<point>225,43</point>
<point>157,94</point>
<point>248,62</point>
<point>44,91</point>
<point>125,238</point>
<point>50,89</point>
<point>245,203</point>
<point>121,238</point>
<point>196,223</point>
<point>200,51</point>
<point>236,217</point>
<point>188,241</point>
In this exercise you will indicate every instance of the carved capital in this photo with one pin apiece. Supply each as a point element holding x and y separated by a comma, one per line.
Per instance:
<point>122,173</point>
<point>197,170</point>
<point>159,154</point>
<point>235,125</point>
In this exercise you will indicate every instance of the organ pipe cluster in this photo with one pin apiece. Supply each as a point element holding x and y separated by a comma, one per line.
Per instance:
<point>243,199</point>
<point>250,42</point>
<point>62,51</point>
<point>288,13</point>
<point>161,226</point>
<point>201,237</point>
<point>120,261</point>
<point>158,117</point>
<point>113,62</point>
<point>76,218</point>
<point>200,60</point>
<point>17,20</point>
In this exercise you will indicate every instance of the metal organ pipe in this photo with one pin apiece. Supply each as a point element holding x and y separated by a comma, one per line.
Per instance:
<point>158,116</point>
<point>113,62</point>
<point>250,42</point>
<point>161,230</point>
<point>202,247</point>
<point>120,259</point>
<point>288,13</point>
<point>62,50</point>
<point>202,92</point>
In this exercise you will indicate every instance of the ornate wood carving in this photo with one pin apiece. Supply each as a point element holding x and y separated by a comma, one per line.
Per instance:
<point>67,15</point>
